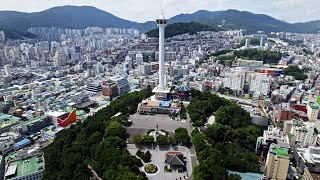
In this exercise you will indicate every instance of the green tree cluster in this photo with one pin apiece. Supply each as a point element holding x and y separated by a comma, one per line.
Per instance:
<point>162,140</point>
<point>204,105</point>
<point>268,57</point>
<point>228,144</point>
<point>99,142</point>
<point>296,72</point>
<point>183,112</point>
<point>146,157</point>
<point>233,115</point>
<point>181,136</point>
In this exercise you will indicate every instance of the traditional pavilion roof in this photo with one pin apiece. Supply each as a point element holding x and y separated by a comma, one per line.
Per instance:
<point>183,89</point>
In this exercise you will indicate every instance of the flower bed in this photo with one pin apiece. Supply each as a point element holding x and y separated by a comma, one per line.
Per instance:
<point>151,168</point>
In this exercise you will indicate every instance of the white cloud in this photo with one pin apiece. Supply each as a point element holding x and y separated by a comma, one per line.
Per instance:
<point>144,10</point>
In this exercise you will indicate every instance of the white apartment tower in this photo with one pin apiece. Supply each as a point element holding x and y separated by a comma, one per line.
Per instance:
<point>7,70</point>
<point>139,58</point>
<point>260,83</point>
<point>234,80</point>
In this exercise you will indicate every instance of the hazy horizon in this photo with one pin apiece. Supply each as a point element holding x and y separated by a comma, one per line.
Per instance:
<point>145,10</point>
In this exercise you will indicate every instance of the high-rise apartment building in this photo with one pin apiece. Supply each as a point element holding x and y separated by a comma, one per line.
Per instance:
<point>59,59</point>
<point>260,83</point>
<point>277,163</point>
<point>7,70</point>
<point>139,58</point>
<point>234,80</point>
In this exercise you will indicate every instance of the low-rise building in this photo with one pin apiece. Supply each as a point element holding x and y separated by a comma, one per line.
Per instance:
<point>158,107</point>
<point>36,124</point>
<point>94,88</point>
<point>50,133</point>
<point>26,168</point>
<point>109,89</point>
<point>307,160</point>
<point>303,132</point>
<point>21,144</point>
<point>313,111</point>
<point>122,83</point>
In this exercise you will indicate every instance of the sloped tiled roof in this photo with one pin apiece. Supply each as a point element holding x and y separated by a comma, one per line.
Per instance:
<point>175,158</point>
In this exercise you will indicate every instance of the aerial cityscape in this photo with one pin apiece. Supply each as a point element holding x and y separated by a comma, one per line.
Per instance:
<point>205,94</point>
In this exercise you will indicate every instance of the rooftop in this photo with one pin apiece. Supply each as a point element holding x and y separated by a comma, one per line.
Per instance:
<point>280,152</point>
<point>34,120</point>
<point>314,105</point>
<point>183,89</point>
<point>9,117</point>
<point>23,167</point>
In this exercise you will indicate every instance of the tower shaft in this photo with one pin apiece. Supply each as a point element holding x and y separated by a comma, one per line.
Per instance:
<point>161,56</point>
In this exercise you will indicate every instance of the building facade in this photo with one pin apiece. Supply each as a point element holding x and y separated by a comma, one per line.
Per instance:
<point>313,111</point>
<point>277,163</point>
<point>234,80</point>
<point>260,83</point>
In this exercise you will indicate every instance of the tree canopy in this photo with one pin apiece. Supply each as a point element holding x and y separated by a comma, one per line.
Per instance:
<point>296,72</point>
<point>268,57</point>
<point>228,144</point>
<point>99,142</point>
<point>181,135</point>
<point>203,105</point>
<point>233,115</point>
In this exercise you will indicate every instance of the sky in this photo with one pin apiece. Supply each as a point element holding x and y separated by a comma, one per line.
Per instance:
<point>145,10</point>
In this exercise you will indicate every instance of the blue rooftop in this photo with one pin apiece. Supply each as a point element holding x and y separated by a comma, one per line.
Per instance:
<point>22,142</point>
<point>183,89</point>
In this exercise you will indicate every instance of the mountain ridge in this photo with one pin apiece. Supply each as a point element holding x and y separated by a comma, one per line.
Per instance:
<point>84,16</point>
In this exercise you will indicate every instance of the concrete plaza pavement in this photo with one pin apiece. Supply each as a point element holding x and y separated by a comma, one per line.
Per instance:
<point>158,158</point>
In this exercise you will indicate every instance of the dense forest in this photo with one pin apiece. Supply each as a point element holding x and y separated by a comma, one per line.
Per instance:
<point>228,144</point>
<point>181,28</point>
<point>98,142</point>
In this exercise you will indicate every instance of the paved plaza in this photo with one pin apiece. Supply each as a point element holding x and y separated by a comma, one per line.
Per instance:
<point>146,122</point>
<point>158,158</point>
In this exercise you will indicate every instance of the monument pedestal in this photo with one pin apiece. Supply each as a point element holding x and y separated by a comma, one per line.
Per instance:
<point>161,93</point>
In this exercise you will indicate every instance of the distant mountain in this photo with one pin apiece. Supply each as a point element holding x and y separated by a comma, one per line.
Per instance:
<point>238,19</point>
<point>66,17</point>
<point>85,16</point>
<point>182,28</point>
<point>309,27</point>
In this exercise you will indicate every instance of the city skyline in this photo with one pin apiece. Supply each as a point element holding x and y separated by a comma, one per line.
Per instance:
<point>283,10</point>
